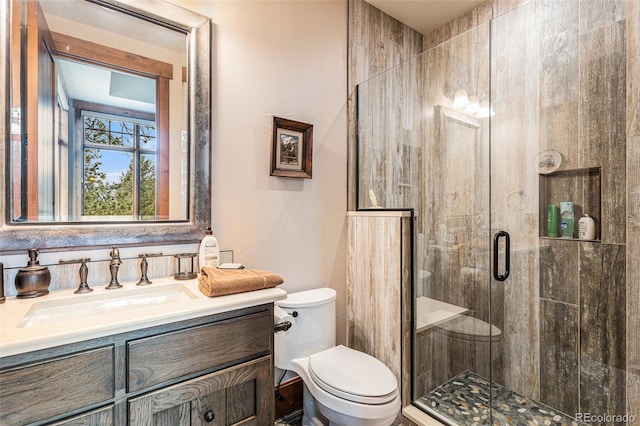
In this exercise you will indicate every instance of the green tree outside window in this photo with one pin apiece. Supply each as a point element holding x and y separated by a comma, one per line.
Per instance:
<point>110,143</point>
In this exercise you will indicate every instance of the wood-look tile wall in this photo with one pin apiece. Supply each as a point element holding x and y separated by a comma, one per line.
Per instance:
<point>583,314</point>
<point>561,72</point>
<point>379,291</point>
<point>389,130</point>
<point>378,42</point>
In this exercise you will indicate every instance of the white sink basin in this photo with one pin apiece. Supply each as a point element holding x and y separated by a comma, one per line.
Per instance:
<point>110,302</point>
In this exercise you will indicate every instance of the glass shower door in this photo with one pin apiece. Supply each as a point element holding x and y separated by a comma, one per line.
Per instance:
<point>453,354</point>
<point>424,143</point>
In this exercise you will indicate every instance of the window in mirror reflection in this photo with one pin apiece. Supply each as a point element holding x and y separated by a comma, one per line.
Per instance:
<point>119,167</point>
<point>98,116</point>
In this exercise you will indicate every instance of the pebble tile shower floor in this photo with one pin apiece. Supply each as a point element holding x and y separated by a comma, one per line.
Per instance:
<point>465,400</point>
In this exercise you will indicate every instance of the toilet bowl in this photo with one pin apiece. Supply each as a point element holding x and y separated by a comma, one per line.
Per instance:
<point>342,386</point>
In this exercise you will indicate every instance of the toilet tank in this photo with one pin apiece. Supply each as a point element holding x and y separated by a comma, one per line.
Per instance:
<point>313,329</point>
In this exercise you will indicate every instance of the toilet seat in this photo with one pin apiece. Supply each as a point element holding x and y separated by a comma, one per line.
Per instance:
<point>353,376</point>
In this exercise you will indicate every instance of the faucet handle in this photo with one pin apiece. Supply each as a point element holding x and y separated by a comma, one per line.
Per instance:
<point>144,266</point>
<point>84,273</point>
<point>115,255</point>
<point>113,268</point>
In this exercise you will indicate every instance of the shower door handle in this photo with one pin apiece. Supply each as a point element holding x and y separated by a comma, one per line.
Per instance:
<point>507,255</point>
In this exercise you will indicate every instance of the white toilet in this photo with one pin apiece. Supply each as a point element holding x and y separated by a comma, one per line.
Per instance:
<point>341,386</point>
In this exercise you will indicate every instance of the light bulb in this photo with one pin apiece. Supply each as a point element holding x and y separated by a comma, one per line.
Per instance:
<point>460,99</point>
<point>473,106</point>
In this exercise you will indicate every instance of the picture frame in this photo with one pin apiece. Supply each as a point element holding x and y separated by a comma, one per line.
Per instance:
<point>292,148</point>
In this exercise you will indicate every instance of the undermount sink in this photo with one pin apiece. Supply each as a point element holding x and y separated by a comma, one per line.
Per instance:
<point>110,302</point>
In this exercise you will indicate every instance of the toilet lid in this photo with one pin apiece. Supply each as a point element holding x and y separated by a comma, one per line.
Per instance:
<point>353,375</point>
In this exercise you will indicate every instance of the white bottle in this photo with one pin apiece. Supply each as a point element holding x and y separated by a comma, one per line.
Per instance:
<point>586,228</point>
<point>209,254</point>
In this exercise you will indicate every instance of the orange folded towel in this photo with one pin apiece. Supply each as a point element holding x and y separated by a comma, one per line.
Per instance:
<point>220,282</point>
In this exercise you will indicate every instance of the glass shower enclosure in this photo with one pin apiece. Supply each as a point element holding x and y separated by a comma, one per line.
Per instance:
<point>501,139</point>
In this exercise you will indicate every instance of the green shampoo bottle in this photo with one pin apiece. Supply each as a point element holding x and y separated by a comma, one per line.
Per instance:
<point>552,221</point>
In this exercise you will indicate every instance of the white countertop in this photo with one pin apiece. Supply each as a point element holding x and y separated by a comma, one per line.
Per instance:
<point>63,317</point>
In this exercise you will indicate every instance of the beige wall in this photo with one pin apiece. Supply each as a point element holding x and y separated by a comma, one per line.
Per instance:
<point>284,58</point>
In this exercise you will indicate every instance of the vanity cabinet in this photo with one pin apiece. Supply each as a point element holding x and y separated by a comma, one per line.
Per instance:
<point>214,370</point>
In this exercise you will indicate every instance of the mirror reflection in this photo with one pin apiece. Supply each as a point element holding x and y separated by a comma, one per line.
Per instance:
<point>98,116</point>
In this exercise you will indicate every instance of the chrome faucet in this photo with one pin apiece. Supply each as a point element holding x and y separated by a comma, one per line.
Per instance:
<point>114,265</point>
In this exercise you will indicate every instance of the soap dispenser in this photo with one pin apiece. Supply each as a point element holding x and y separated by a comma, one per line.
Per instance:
<point>209,253</point>
<point>34,279</point>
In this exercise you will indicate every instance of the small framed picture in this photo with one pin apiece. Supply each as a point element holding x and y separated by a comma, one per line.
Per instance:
<point>292,149</point>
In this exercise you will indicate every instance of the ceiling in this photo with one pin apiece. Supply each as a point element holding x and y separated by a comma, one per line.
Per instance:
<point>425,15</point>
<point>103,86</point>
<point>87,14</point>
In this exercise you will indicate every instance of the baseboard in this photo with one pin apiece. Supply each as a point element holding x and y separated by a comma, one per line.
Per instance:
<point>291,391</point>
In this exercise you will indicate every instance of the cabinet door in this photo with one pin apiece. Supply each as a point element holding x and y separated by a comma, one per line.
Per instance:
<point>242,394</point>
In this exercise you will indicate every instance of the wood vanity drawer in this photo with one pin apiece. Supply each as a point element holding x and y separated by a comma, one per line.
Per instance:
<point>158,359</point>
<point>39,391</point>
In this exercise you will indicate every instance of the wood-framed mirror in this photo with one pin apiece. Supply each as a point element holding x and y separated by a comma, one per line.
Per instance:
<point>106,135</point>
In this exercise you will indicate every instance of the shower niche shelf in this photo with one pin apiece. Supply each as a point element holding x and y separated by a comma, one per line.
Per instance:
<point>581,186</point>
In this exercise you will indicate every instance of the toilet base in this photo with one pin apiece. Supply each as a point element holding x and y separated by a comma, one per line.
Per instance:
<point>306,421</point>
<point>339,412</point>
<point>342,419</point>
<point>311,415</point>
